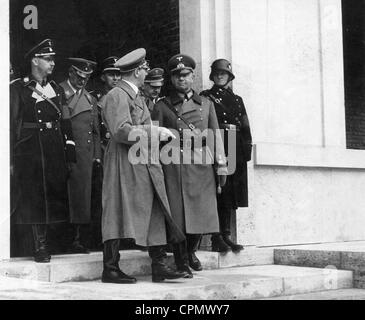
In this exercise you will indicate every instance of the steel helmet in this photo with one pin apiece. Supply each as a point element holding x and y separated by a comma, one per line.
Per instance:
<point>223,65</point>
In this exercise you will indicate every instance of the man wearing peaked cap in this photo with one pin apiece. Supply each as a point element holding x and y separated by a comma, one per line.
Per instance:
<point>83,111</point>
<point>44,48</point>
<point>42,147</point>
<point>190,185</point>
<point>109,78</point>
<point>232,117</point>
<point>181,62</point>
<point>132,61</point>
<point>151,88</point>
<point>134,196</point>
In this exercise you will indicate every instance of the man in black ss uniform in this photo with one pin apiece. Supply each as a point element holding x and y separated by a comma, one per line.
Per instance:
<point>42,147</point>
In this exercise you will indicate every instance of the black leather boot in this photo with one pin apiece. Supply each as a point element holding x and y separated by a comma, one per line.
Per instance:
<point>218,244</point>
<point>160,270</point>
<point>181,258</point>
<point>41,253</point>
<point>192,245</point>
<point>112,272</point>
<point>234,246</point>
<point>77,246</point>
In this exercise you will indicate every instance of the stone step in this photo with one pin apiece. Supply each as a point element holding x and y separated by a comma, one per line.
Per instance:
<point>340,294</point>
<point>343,255</point>
<point>81,267</point>
<point>252,282</point>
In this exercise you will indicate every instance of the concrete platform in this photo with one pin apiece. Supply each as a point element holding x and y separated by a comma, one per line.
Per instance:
<point>341,255</point>
<point>81,267</point>
<point>252,282</point>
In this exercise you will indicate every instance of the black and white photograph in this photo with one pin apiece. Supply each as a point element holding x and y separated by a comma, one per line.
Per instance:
<point>195,151</point>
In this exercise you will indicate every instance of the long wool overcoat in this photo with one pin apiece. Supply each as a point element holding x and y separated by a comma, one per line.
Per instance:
<point>135,203</point>
<point>191,188</point>
<point>39,153</point>
<point>85,127</point>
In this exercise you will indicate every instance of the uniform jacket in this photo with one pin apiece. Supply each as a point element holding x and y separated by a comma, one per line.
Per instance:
<point>191,188</point>
<point>230,110</point>
<point>85,127</point>
<point>135,203</point>
<point>104,134</point>
<point>41,144</point>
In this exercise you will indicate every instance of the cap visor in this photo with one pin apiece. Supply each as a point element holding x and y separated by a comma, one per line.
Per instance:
<point>155,83</point>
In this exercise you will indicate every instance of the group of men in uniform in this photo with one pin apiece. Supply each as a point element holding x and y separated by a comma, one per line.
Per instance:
<point>59,132</point>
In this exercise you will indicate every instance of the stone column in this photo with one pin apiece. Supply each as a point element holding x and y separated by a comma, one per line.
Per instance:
<point>4,140</point>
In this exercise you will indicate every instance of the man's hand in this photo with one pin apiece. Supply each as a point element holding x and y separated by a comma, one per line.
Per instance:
<point>165,133</point>
<point>222,180</point>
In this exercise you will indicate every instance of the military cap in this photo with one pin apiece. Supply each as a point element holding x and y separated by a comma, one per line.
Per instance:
<point>44,48</point>
<point>155,77</point>
<point>132,60</point>
<point>82,66</point>
<point>222,65</point>
<point>180,62</point>
<point>108,64</point>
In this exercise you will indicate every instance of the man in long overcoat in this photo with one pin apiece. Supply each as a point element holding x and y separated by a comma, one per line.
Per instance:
<point>41,147</point>
<point>135,203</point>
<point>84,117</point>
<point>232,116</point>
<point>191,188</point>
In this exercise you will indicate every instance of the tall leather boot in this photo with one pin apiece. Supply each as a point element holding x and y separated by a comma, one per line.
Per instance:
<point>160,270</point>
<point>181,257</point>
<point>218,244</point>
<point>193,241</point>
<point>41,253</point>
<point>111,271</point>
<point>226,232</point>
<point>78,235</point>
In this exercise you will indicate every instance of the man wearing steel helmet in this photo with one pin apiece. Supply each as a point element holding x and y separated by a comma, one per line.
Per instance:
<point>191,187</point>
<point>231,114</point>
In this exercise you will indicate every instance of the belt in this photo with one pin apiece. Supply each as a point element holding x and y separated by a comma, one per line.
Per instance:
<point>229,126</point>
<point>189,143</point>
<point>41,125</point>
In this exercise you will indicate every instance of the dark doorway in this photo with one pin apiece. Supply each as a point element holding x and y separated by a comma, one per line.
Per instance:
<point>95,29</point>
<point>92,29</point>
<point>353,13</point>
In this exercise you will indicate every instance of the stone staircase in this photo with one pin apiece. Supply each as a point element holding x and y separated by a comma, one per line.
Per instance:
<point>341,255</point>
<point>250,274</point>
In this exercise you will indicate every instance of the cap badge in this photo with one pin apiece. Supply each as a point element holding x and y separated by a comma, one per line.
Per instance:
<point>180,66</point>
<point>179,58</point>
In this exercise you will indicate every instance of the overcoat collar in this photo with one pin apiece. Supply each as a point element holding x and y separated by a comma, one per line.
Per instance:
<point>127,88</point>
<point>176,99</point>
